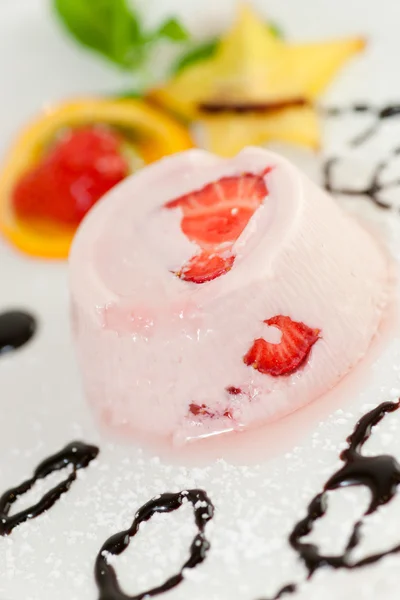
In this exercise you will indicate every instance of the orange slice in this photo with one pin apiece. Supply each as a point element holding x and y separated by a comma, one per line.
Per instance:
<point>155,133</point>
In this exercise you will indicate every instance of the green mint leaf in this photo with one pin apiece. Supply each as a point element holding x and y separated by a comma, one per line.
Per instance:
<point>106,26</point>
<point>128,94</point>
<point>173,30</point>
<point>86,21</point>
<point>126,47</point>
<point>276,30</point>
<point>207,50</point>
<point>196,54</point>
<point>113,29</point>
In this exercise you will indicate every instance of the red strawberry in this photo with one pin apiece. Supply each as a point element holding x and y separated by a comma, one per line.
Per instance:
<point>202,410</point>
<point>76,172</point>
<point>205,267</point>
<point>243,188</point>
<point>218,227</point>
<point>287,356</point>
<point>219,212</point>
<point>233,391</point>
<point>214,217</point>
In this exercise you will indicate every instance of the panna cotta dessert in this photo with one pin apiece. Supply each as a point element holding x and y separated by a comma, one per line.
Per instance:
<point>211,295</point>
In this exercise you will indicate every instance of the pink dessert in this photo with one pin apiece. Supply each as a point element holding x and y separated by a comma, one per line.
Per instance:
<point>210,295</point>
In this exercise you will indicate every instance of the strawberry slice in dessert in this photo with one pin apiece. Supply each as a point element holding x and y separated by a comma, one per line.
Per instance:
<point>205,266</point>
<point>278,295</point>
<point>214,217</point>
<point>204,411</point>
<point>285,357</point>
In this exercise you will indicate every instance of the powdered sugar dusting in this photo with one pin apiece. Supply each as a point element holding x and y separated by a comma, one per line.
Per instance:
<point>256,504</point>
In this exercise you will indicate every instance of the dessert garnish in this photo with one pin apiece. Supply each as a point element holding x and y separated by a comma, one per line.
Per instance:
<point>65,161</point>
<point>78,169</point>
<point>249,87</point>
<point>380,474</point>
<point>378,114</point>
<point>255,76</point>
<point>16,329</point>
<point>105,574</point>
<point>115,30</point>
<point>377,184</point>
<point>76,454</point>
<point>227,134</point>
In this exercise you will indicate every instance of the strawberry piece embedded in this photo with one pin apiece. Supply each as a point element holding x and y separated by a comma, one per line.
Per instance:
<point>219,212</point>
<point>205,267</point>
<point>221,226</point>
<point>214,217</point>
<point>287,356</point>
<point>202,410</point>
<point>77,171</point>
<point>233,391</point>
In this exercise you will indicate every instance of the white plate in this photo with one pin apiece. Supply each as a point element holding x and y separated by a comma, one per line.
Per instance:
<point>258,502</point>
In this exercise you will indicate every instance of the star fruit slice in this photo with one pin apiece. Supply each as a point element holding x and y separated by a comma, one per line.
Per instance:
<point>253,67</point>
<point>227,134</point>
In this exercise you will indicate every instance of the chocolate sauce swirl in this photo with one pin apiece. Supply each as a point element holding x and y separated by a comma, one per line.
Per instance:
<point>106,578</point>
<point>378,116</point>
<point>372,190</point>
<point>16,329</point>
<point>380,474</point>
<point>77,454</point>
<point>376,185</point>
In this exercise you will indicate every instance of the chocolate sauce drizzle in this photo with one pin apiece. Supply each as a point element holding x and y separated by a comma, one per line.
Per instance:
<point>375,187</point>
<point>378,114</point>
<point>380,474</point>
<point>372,190</point>
<point>77,454</point>
<point>106,578</point>
<point>251,107</point>
<point>16,329</point>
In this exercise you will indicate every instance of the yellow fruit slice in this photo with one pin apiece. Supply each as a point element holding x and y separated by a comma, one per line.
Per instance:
<point>326,59</point>
<point>252,66</point>
<point>227,134</point>
<point>155,133</point>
